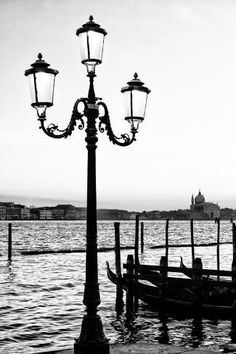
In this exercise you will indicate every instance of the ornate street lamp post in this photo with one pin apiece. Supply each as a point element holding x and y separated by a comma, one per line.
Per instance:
<point>42,80</point>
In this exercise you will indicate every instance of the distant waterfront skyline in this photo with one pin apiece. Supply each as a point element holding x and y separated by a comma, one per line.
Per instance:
<point>184,51</point>
<point>41,202</point>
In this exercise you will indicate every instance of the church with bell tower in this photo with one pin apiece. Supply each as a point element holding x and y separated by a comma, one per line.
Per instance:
<point>200,206</point>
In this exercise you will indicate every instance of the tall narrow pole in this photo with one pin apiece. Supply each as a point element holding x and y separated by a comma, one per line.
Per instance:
<point>9,241</point>
<point>136,261</point>
<point>119,290</point>
<point>218,247</point>
<point>136,248</point>
<point>92,338</point>
<point>192,242</point>
<point>167,240</point>
<point>142,236</point>
<point>117,249</point>
<point>233,290</point>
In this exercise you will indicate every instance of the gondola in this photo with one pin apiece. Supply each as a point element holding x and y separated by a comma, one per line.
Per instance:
<point>188,272</point>
<point>213,290</point>
<point>179,299</point>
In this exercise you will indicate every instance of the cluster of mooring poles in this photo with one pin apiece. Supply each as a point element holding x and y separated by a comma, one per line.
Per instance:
<point>132,275</point>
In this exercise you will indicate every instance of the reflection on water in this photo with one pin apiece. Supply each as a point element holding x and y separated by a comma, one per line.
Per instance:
<point>197,332</point>
<point>41,297</point>
<point>163,329</point>
<point>153,327</point>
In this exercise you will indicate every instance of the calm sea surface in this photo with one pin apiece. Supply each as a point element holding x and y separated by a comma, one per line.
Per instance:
<point>41,295</point>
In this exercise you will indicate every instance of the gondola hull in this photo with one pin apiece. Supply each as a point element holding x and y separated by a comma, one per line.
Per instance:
<point>178,301</point>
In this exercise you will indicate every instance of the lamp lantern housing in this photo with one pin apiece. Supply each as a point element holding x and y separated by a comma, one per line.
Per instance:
<point>41,83</point>
<point>91,40</point>
<point>135,96</point>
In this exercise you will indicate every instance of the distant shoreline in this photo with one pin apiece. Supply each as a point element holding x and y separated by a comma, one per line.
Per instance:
<point>114,219</point>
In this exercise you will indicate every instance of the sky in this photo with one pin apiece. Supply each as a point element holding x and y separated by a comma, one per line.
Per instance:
<point>183,50</point>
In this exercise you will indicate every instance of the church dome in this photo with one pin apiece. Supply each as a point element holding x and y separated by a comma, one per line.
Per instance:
<point>199,198</point>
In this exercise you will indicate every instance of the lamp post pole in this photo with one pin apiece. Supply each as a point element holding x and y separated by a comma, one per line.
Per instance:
<point>42,80</point>
<point>92,338</point>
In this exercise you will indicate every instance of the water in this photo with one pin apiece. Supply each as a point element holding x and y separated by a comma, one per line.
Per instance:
<point>41,295</point>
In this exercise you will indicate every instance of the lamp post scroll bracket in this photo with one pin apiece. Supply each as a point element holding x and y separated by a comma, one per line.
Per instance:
<point>52,129</point>
<point>105,124</point>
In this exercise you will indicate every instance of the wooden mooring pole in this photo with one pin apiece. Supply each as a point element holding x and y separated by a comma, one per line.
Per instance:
<point>130,288</point>
<point>163,277</point>
<point>233,290</point>
<point>218,247</point>
<point>9,241</point>
<point>142,237</point>
<point>167,240</point>
<point>136,246</point>
<point>119,290</point>
<point>136,260</point>
<point>197,286</point>
<point>192,241</point>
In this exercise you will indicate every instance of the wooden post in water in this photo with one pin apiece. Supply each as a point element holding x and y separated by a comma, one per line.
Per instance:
<point>117,248</point>
<point>233,323</point>
<point>218,247</point>
<point>130,288</point>
<point>119,290</point>
<point>167,240</point>
<point>136,260</point>
<point>233,290</point>
<point>141,236</point>
<point>9,241</point>
<point>136,246</point>
<point>192,241</point>
<point>163,277</point>
<point>197,285</point>
<point>234,252</point>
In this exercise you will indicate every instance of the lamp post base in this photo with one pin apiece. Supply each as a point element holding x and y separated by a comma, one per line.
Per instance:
<point>92,338</point>
<point>91,348</point>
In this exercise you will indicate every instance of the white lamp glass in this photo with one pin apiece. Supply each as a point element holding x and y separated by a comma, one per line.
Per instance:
<point>135,99</point>
<point>42,88</point>
<point>41,80</point>
<point>91,42</point>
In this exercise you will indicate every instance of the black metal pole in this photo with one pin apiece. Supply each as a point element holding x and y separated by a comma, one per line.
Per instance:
<point>92,338</point>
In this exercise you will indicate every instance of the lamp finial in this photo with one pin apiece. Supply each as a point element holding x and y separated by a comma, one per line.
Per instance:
<point>40,56</point>
<point>91,18</point>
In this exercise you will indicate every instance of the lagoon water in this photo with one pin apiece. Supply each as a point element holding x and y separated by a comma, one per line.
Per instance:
<point>41,296</point>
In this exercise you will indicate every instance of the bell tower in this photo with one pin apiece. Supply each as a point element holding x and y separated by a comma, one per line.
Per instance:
<point>192,200</point>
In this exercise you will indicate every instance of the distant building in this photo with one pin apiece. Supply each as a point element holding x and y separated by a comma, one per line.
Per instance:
<point>3,212</point>
<point>25,213</point>
<point>45,214</point>
<point>82,213</point>
<point>66,211</point>
<point>34,213</point>
<point>200,206</point>
<point>58,214</point>
<point>72,214</point>
<point>13,211</point>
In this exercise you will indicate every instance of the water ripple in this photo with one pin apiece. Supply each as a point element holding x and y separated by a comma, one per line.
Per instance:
<point>41,296</point>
